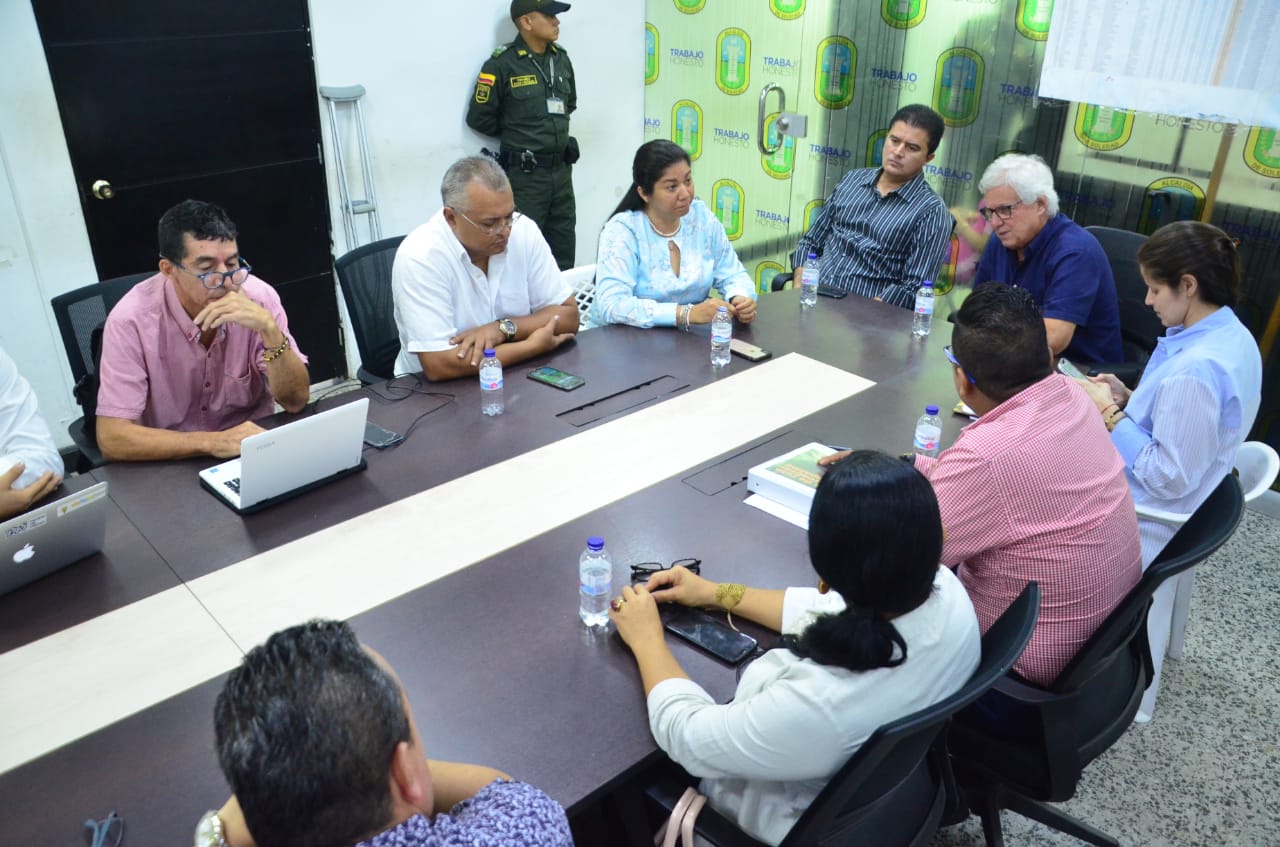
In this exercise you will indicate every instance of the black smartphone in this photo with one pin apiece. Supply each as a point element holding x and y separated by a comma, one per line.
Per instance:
<point>557,378</point>
<point>376,436</point>
<point>712,635</point>
<point>747,350</point>
<point>833,293</point>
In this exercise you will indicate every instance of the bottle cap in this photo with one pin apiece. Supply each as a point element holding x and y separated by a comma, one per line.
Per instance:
<point>488,353</point>
<point>722,309</point>
<point>926,284</point>
<point>931,410</point>
<point>812,255</point>
<point>595,542</point>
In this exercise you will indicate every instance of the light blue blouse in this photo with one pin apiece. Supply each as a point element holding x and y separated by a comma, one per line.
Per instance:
<point>1195,404</point>
<point>634,280</point>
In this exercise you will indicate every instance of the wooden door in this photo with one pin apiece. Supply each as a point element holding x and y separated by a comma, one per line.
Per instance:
<point>168,99</point>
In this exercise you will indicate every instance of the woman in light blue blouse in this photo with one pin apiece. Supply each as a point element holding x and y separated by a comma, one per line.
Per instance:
<point>1179,430</point>
<point>663,252</point>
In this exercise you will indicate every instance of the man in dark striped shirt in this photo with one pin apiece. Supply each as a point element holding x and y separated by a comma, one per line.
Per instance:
<point>883,231</point>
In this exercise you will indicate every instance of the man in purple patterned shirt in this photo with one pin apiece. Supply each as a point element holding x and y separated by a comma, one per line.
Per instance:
<point>315,736</point>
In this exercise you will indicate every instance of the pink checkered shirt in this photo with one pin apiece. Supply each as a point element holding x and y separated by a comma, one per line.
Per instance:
<point>1034,490</point>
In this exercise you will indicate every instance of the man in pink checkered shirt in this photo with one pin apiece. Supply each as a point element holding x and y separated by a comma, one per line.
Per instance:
<point>1033,490</point>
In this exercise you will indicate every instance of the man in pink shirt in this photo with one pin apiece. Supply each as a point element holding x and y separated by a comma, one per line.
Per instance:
<point>1031,490</point>
<point>191,356</point>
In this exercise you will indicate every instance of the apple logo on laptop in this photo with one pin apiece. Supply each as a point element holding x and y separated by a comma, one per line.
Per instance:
<point>24,553</point>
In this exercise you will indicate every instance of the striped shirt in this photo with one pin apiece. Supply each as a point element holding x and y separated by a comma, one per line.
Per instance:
<point>1032,490</point>
<point>1196,402</point>
<point>879,246</point>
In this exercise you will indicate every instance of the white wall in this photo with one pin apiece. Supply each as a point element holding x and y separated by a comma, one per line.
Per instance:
<point>418,63</point>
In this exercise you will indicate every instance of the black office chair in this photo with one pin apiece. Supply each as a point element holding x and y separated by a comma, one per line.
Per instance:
<point>1139,326</point>
<point>894,789</point>
<point>80,315</point>
<point>1091,703</point>
<point>365,277</point>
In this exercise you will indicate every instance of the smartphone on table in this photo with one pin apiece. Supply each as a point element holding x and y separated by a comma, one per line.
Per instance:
<point>711,634</point>
<point>747,350</point>
<point>557,378</point>
<point>379,437</point>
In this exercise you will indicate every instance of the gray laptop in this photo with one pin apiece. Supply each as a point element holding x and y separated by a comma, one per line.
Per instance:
<point>52,536</point>
<point>288,460</point>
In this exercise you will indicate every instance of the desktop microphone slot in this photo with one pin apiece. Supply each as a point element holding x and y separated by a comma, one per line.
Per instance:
<point>731,470</point>
<point>623,401</point>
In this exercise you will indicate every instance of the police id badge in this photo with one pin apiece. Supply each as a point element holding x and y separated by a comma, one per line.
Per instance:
<point>555,106</point>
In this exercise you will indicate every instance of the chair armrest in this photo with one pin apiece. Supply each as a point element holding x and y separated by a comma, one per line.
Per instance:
<point>780,280</point>
<point>1170,518</point>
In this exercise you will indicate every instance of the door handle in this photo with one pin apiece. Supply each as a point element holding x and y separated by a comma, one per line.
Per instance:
<point>102,189</point>
<point>797,126</point>
<point>762,137</point>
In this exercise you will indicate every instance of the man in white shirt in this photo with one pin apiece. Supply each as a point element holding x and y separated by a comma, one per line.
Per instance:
<point>30,467</point>
<point>477,275</point>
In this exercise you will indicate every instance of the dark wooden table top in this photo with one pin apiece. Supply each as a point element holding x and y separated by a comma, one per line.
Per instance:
<point>493,657</point>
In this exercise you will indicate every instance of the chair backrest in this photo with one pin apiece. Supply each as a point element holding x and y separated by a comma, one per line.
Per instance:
<point>582,280</point>
<point>83,310</point>
<point>860,797</point>
<point>1258,464</point>
<point>1204,532</point>
<point>1139,326</point>
<point>365,277</point>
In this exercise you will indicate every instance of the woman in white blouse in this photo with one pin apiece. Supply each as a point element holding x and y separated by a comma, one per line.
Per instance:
<point>885,633</point>
<point>664,258</point>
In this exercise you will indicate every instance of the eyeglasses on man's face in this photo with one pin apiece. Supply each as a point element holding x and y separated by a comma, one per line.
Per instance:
<point>1002,212</point>
<point>495,226</point>
<point>951,357</point>
<point>213,280</point>
<point>644,570</point>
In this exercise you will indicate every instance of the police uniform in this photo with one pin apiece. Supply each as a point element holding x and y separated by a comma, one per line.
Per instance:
<point>524,99</point>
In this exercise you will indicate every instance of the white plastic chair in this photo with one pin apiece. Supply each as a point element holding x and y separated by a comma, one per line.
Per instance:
<point>1258,465</point>
<point>582,280</point>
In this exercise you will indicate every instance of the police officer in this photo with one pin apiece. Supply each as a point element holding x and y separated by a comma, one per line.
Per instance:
<point>523,96</point>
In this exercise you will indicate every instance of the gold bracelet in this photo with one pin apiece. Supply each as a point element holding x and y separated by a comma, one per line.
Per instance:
<point>1113,419</point>
<point>728,596</point>
<point>270,356</point>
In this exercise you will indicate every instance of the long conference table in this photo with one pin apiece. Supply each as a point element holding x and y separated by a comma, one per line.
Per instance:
<point>454,554</point>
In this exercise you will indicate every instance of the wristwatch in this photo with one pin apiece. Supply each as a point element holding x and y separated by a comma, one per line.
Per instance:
<point>209,831</point>
<point>508,328</point>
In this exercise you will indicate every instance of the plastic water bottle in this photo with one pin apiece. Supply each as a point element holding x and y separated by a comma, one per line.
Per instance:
<point>595,581</point>
<point>491,384</point>
<point>721,335</point>
<point>923,321</point>
<point>928,432</point>
<point>809,281</point>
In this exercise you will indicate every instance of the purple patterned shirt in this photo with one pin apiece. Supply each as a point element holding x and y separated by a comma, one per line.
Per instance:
<point>501,813</point>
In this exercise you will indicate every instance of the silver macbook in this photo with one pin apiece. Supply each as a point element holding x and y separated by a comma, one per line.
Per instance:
<point>52,536</point>
<point>288,460</point>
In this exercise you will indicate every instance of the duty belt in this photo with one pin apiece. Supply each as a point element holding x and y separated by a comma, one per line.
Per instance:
<point>527,160</point>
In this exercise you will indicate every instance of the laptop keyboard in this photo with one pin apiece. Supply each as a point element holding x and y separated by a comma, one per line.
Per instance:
<point>233,484</point>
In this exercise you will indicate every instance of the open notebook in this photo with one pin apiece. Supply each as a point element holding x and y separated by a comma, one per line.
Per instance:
<point>288,460</point>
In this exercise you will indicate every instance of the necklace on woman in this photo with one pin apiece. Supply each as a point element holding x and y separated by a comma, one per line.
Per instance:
<point>662,234</point>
